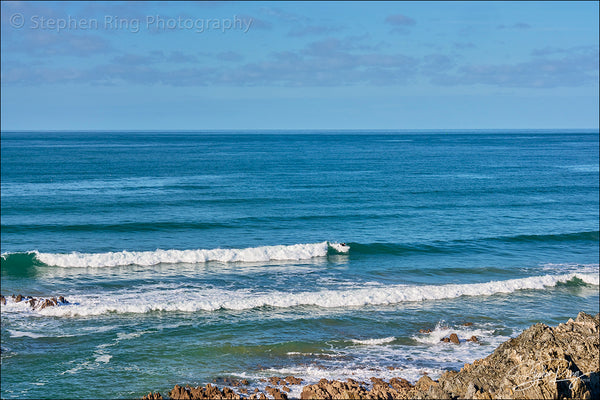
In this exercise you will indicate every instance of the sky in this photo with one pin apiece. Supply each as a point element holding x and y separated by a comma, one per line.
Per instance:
<point>299,65</point>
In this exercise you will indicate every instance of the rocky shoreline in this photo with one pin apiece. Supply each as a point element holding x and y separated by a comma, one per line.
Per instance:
<point>543,362</point>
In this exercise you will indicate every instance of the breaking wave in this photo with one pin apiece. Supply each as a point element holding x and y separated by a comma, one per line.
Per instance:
<point>144,300</point>
<point>148,258</point>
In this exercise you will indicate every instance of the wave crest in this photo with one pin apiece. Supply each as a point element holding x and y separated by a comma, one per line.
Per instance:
<point>148,258</point>
<point>198,300</point>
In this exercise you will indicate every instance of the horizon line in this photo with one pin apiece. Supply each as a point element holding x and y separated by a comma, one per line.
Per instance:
<point>255,130</point>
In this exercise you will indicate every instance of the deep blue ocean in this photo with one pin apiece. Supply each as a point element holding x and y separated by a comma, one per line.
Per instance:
<point>189,257</point>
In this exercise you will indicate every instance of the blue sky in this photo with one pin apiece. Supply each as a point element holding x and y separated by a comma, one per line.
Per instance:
<point>299,65</point>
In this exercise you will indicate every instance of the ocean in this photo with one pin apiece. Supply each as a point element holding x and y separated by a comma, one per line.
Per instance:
<point>192,257</point>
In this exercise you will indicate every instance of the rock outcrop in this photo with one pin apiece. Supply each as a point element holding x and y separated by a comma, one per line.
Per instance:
<point>206,392</point>
<point>543,362</point>
<point>36,303</point>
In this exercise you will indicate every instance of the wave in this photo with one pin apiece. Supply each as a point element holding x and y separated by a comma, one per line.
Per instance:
<point>19,262</point>
<point>124,227</point>
<point>374,342</point>
<point>562,237</point>
<point>144,300</point>
<point>478,244</point>
<point>148,258</point>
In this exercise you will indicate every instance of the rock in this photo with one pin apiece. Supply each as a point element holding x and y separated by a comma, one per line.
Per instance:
<point>424,383</point>
<point>454,338</point>
<point>3,300</point>
<point>286,389</point>
<point>543,362</point>
<point>207,392</point>
<point>473,339</point>
<point>293,380</point>
<point>38,304</point>
<point>153,396</point>
<point>424,330</point>
<point>467,324</point>
<point>276,393</point>
<point>334,390</point>
<point>275,380</point>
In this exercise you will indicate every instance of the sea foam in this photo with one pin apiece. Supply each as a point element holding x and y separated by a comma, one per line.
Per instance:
<point>144,300</point>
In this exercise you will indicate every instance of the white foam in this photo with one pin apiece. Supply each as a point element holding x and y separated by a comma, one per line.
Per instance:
<point>147,258</point>
<point>194,299</point>
<point>16,334</point>
<point>103,358</point>
<point>374,342</point>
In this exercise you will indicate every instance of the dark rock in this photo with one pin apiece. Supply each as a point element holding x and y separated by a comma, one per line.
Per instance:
<point>454,338</point>
<point>293,380</point>
<point>275,380</point>
<point>276,393</point>
<point>18,299</point>
<point>3,300</point>
<point>153,396</point>
<point>473,339</point>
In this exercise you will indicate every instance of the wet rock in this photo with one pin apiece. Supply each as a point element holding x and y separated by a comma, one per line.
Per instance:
<point>424,330</point>
<point>293,380</point>
<point>3,300</point>
<point>454,338</point>
<point>153,396</point>
<point>467,324</point>
<point>473,339</point>
<point>37,304</point>
<point>276,381</point>
<point>276,393</point>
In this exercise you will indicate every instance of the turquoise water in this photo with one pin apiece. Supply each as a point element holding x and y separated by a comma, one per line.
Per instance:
<point>193,256</point>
